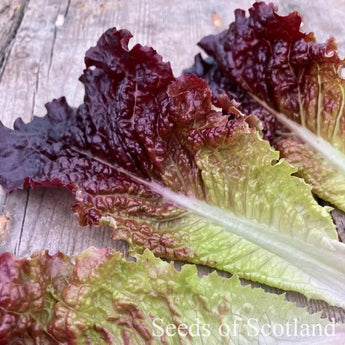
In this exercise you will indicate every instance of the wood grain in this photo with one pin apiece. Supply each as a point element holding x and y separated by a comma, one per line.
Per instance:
<point>11,15</point>
<point>41,57</point>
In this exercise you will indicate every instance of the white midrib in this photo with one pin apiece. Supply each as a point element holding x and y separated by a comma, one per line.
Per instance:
<point>332,155</point>
<point>320,264</point>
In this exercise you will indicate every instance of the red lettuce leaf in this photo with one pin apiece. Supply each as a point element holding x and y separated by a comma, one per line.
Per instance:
<point>29,291</point>
<point>124,87</point>
<point>266,54</point>
<point>267,57</point>
<point>137,117</point>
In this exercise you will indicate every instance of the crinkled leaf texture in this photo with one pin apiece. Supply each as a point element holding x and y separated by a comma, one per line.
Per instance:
<point>147,154</point>
<point>104,299</point>
<point>295,78</point>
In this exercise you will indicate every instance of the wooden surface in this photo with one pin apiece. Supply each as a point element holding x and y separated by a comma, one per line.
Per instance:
<point>42,45</point>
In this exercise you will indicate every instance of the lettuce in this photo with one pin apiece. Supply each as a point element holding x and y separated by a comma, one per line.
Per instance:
<point>150,156</point>
<point>104,299</point>
<point>295,79</point>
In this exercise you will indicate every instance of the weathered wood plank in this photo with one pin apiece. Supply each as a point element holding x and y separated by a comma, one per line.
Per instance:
<point>19,84</point>
<point>45,61</point>
<point>11,15</point>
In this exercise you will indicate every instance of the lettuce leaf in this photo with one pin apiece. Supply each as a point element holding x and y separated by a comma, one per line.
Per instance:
<point>104,299</point>
<point>149,156</point>
<point>296,79</point>
<point>29,291</point>
<point>311,166</point>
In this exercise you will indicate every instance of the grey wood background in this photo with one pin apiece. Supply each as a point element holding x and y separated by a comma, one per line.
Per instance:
<point>42,45</point>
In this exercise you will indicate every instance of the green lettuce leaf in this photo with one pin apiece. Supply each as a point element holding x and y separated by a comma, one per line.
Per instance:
<point>295,78</point>
<point>148,155</point>
<point>104,299</point>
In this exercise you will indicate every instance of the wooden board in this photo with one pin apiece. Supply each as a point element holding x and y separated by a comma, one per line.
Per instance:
<point>42,45</point>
